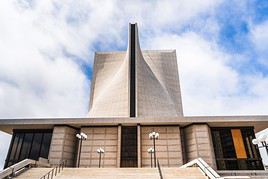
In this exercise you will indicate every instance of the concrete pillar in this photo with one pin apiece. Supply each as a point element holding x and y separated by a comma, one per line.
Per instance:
<point>63,145</point>
<point>118,159</point>
<point>139,145</point>
<point>198,143</point>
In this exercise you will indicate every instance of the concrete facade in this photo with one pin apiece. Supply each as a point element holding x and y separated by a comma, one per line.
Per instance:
<point>168,146</point>
<point>198,144</point>
<point>109,98</point>
<point>104,137</point>
<point>155,69</point>
<point>63,146</point>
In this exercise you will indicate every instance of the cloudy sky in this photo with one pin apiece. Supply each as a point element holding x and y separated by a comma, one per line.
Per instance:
<point>47,49</point>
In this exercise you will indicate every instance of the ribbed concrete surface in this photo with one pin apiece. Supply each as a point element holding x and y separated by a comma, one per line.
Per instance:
<point>129,173</point>
<point>33,173</point>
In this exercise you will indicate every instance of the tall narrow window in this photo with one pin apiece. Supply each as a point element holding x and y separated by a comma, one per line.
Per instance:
<point>132,71</point>
<point>129,157</point>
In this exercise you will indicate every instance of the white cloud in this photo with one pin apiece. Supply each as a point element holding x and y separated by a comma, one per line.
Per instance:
<point>259,37</point>
<point>33,81</point>
<point>210,86</point>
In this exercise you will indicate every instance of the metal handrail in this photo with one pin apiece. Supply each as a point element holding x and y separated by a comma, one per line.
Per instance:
<point>159,169</point>
<point>205,168</point>
<point>54,171</point>
<point>10,171</point>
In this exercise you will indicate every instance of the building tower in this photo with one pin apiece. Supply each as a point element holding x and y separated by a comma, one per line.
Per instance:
<point>135,83</point>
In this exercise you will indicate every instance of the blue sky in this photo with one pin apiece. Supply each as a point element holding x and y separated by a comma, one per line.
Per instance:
<point>47,51</point>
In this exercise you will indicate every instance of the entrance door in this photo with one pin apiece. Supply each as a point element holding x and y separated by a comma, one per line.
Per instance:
<point>129,147</point>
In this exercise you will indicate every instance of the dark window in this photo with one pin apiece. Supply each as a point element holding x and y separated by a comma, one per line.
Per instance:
<point>36,145</point>
<point>227,153</point>
<point>45,145</point>
<point>18,150</point>
<point>129,147</point>
<point>26,146</point>
<point>30,144</point>
<point>132,71</point>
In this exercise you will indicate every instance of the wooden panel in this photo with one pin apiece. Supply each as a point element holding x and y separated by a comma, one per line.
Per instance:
<point>238,144</point>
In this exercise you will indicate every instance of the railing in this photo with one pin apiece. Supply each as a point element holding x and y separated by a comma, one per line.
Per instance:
<point>54,171</point>
<point>12,170</point>
<point>159,169</point>
<point>205,168</point>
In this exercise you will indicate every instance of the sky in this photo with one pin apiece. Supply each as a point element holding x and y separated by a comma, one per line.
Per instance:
<point>47,50</point>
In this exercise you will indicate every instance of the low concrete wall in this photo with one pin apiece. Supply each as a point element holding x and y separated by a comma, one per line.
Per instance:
<point>104,137</point>
<point>63,145</point>
<point>168,146</point>
<point>198,143</point>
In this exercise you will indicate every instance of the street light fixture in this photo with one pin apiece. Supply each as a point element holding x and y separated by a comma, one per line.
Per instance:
<point>82,136</point>
<point>100,151</point>
<point>263,140</point>
<point>154,136</point>
<point>151,151</point>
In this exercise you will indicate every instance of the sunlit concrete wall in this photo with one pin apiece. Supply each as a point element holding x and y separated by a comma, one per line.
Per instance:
<point>109,88</point>
<point>63,146</point>
<point>168,146</point>
<point>104,137</point>
<point>158,90</point>
<point>198,143</point>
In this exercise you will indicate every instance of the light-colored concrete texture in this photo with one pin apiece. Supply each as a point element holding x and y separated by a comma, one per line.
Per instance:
<point>33,173</point>
<point>130,173</point>
<point>104,137</point>
<point>157,83</point>
<point>198,143</point>
<point>109,87</point>
<point>158,91</point>
<point>168,146</point>
<point>63,145</point>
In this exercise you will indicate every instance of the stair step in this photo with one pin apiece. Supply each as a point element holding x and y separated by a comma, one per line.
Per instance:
<point>116,173</point>
<point>33,173</point>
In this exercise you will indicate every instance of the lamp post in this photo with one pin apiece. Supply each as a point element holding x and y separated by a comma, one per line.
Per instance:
<point>100,151</point>
<point>154,136</point>
<point>82,136</point>
<point>263,140</point>
<point>151,151</point>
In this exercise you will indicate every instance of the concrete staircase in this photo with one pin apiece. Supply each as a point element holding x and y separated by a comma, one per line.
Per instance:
<point>115,173</point>
<point>180,173</point>
<point>129,173</point>
<point>33,173</point>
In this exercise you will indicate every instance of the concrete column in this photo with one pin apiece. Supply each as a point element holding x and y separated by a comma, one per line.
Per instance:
<point>119,146</point>
<point>139,144</point>
<point>198,143</point>
<point>63,145</point>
